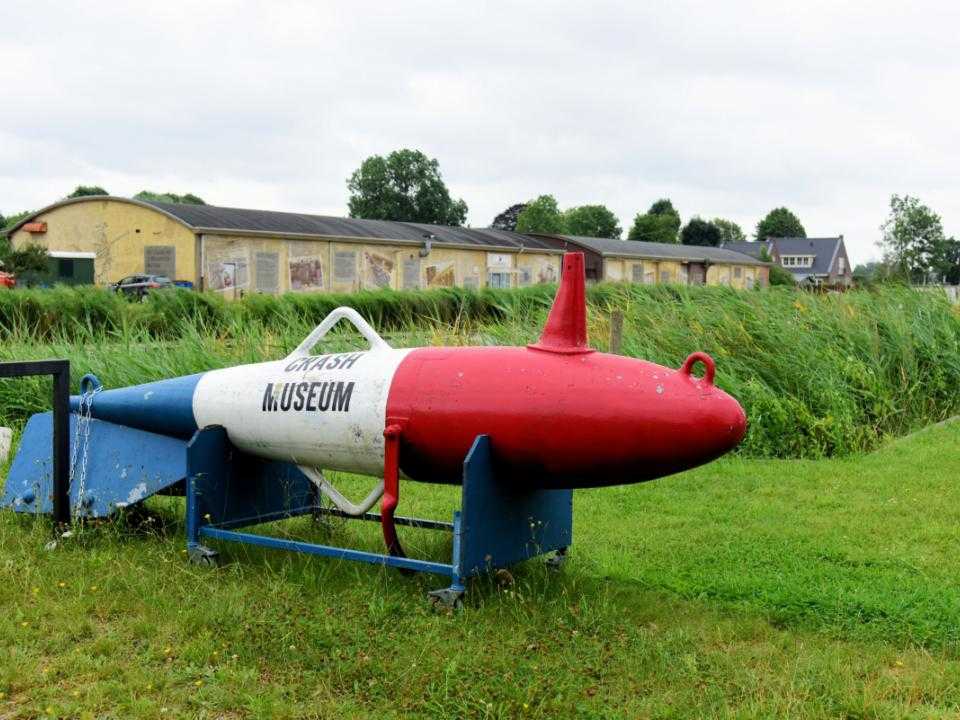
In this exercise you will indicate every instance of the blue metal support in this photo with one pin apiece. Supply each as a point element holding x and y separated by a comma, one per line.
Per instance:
<point>495,527</point>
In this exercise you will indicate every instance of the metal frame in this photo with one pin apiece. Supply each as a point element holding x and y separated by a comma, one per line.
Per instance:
<point>495,527</point>
<point>60,370</point>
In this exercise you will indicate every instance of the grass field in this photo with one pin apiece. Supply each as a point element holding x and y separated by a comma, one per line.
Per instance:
<point>747,588</point>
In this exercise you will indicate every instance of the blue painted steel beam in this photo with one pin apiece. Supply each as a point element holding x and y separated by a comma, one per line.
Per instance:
<point>401,520</point>
<point>328,551</point>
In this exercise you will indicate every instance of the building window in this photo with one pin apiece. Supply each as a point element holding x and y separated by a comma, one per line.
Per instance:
<point>800,261</point>
<point>738,272</point>
<point>664,276</point>
<point>841,265</point>
<point>498,280</point>
<point>637,271</point>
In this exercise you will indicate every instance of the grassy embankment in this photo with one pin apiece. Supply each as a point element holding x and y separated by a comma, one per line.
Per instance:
<point>819,376</point>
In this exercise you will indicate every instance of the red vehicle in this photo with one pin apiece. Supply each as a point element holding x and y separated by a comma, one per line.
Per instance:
<point>8,280</point>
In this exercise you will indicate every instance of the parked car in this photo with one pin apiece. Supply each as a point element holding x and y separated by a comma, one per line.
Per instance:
<point>8,280</point>
<point>136,287</point>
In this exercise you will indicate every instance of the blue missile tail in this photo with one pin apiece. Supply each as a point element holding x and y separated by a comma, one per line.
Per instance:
<point>164,407</point>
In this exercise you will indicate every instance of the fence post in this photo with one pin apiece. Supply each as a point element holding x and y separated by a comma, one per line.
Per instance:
<point>616,331</point>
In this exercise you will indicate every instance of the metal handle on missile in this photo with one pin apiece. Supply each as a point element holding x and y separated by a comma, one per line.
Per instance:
<point>708,363</point>
<point>376,342</point>
<point>337,498</point>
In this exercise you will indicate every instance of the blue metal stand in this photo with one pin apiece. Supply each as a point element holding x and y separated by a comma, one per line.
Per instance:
<point>495,527</point>
<point>116,467</point>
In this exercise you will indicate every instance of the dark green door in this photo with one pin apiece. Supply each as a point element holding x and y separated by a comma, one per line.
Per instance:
<point>71,271</point>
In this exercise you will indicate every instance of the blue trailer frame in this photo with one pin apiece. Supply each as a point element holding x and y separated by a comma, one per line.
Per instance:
<point>495,527</point>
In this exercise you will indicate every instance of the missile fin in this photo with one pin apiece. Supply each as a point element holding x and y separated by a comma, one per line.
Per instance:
<point>566,328</point>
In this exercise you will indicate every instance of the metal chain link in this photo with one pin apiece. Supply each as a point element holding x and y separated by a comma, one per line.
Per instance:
<point>84,417</point>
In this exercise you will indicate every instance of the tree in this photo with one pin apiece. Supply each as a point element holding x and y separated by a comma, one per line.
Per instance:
<point>871,272</point>
<point>779,276</point>
<point>659,224</point>
<point>541,216</point>
<point>654,228</point>
<point>914,243</point>
<point>15,218</point>
<point>29,260</point>
<point>173,198</point>
<point>663,206</point>
<point>592,221</point>
<point>405,185</point>
<point>700,232</point>
<point>507,220</point>
<point>779,223</point>
<point>729,231</point>
<point>87,191</point>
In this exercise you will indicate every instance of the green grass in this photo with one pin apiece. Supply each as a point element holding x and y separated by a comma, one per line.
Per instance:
<point>819,375</point>
<point>747,588</point>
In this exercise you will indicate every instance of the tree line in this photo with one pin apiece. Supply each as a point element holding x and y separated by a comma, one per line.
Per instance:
<point>406,185</point>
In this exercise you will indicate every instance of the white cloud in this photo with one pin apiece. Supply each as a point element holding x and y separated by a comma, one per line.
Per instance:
<point>728,108</point>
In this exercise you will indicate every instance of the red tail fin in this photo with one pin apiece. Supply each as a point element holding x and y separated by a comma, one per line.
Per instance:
<point>566,328</point>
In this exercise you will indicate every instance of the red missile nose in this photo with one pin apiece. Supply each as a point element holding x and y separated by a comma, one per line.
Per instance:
<point>720,423</point>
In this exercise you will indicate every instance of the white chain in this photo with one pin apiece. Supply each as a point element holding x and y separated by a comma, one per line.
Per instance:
<point>82,437</point>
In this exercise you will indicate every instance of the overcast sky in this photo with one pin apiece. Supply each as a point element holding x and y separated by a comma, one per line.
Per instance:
<point>728,109</point>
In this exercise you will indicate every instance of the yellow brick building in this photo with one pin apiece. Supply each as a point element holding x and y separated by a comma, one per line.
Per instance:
<point>649,263</point>
<point>235,251</point>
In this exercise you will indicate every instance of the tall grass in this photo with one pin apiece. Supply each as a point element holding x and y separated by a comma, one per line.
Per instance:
<point>819,375</point>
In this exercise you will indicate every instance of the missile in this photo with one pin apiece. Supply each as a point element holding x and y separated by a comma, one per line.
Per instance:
<point>558,413</point>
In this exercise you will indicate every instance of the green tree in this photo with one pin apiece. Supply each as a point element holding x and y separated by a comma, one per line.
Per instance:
<point>592,221</point>
<point>541,216</point>
<point>15,218</point>
<point>700,232</point>
<point>871,272</point>
<point>914,242</point>
<point>405,185</point>
<point>729,231</point>
<point>27,262</point>
<point>779,276</point>
<point>507,220</point>
<point>660,223</point>
<point>87,191</point>
<point>664,206</point>
<point>173,198</point>
<point>779,223</point>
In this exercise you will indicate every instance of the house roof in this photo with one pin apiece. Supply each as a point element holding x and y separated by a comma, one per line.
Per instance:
<point>824,251</point>
<point>753,249</point>
<point>609,247</point>
<point>212,219</point>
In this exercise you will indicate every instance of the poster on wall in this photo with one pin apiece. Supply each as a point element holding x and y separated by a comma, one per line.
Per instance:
<point>306,273</point>
<point>344,266</point>
<point>268,272</point>
<point>228,273</point>
<point>411,273</point>
<point>377,270</point>
<point>440,274</point>
<point>160,260</point>
<point>498,261</point>
<point>547,274</point>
